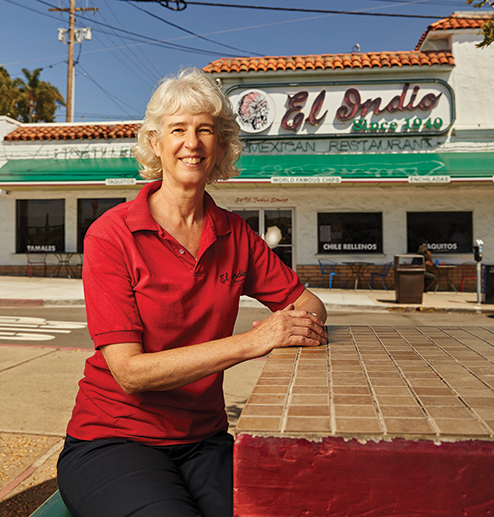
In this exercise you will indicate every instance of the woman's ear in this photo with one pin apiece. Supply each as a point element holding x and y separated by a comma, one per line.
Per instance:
<point>155,145</point>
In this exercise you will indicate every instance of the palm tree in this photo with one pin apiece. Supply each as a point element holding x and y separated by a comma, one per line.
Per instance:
<point>30,90</point>
<point>9,95</point>
<point>32,100</point>
<point>39,100</point>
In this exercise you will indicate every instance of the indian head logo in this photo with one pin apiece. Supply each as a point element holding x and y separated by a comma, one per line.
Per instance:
<point>255,111</point>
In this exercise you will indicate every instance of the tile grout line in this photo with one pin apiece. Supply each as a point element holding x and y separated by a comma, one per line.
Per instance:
<point>485,329</point>
<point>471,410</point>
<point>423,408</point>
<point>445,382</point>
<point>469,348</point>
<point>284,417</point>
<point>375,401</point>
<point>332,411</point>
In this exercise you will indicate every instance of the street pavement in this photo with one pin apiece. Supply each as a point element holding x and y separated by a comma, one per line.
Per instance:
<point>38,382</point>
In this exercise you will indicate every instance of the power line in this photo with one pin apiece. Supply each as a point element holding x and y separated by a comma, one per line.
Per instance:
<point>138,64</point>
<point>150,79</point>
<point>299,9</point>
<point>193,33</point>
<point>430,2</point>
<point>110,95</point>
<point>161,43</point>
<point>70,69</point>
<point>143,54</point>
<point>144,39</point>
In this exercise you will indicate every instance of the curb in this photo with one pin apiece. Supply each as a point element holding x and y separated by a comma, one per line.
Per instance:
<point>6,302</point>
<point>408,308</point>
<point>475,309</point>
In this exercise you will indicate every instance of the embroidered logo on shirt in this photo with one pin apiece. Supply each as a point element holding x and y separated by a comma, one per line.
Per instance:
<point>233,278</point>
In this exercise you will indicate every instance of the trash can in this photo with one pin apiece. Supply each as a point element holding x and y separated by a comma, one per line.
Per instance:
<point>487,283</point>
<point>409,278</point>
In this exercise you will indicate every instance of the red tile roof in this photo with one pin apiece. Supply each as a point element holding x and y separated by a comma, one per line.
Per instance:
<point>456,21</point>
<point>73,132</point>
<point>331,61</point>
<point>345,61</point>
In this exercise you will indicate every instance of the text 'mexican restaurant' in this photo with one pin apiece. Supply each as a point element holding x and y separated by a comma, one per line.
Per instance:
<point>347,157</point>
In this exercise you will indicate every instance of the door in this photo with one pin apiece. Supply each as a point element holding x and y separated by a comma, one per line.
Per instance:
<point>275,227</point>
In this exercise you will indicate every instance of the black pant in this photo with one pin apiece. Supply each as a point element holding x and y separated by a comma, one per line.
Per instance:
<point>429,279</point>
<point>118,478</point>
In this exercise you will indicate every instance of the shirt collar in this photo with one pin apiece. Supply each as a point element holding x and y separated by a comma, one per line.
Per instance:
<point>139,215</point>
<point>218,217</point>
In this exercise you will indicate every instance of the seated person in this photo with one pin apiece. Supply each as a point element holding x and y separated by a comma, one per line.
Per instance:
<point>163,276</point>
<point>429,276</point>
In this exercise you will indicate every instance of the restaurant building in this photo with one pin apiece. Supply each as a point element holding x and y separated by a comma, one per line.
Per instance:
<point>348,157</point>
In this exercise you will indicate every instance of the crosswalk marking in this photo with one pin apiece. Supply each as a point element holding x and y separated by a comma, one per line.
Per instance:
<point>21,328</point>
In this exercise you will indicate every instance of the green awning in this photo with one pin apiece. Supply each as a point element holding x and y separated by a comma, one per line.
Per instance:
<point>87,170</point>
<point>347,167</point>
<point>369,166</point>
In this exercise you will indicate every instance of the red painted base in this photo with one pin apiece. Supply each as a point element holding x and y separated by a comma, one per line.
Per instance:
<point>337,478</point>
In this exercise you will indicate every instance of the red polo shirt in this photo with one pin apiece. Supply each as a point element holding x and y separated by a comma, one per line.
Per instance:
<point>142,286</point>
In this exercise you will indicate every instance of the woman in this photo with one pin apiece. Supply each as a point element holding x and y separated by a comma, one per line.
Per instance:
<point>163,276</point>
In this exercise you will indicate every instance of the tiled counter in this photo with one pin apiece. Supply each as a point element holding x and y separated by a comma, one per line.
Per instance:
<point>382,421</point>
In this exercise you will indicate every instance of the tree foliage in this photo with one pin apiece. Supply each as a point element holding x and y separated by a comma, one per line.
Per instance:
<point>29,100</point>
<point>9,94</point>
<point>488,28</point>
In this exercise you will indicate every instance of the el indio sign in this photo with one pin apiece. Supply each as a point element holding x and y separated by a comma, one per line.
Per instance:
<point>339,109</point>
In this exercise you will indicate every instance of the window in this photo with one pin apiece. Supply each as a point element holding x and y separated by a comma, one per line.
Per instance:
<point>444,232</point>
<point>88,210</point>
<point>275,227</point>
<point>278,233</point>
<point>40,225</point>
<point>349,232</point>
<point>251,217</point>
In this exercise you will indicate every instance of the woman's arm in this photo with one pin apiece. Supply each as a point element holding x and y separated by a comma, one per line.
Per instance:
<point>299,324</point>
<point>310,302</point>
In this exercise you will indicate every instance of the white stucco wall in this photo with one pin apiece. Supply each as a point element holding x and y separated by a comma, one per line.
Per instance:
<point>472,81</point>
<point>7,125</point>
<point>393,202</point>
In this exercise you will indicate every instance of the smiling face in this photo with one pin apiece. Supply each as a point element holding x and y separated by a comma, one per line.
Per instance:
<point>188,148</point>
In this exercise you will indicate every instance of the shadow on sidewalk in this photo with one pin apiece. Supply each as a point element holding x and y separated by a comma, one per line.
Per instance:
<point>24,503</point>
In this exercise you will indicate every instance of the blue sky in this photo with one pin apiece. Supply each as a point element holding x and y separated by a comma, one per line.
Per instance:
<point>135,44</point>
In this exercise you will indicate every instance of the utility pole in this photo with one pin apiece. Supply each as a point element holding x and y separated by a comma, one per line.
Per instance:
<point>70,72</point>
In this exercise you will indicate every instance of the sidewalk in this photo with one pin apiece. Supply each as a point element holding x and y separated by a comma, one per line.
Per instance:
<point>38,383</point>
<point>23,291</point>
